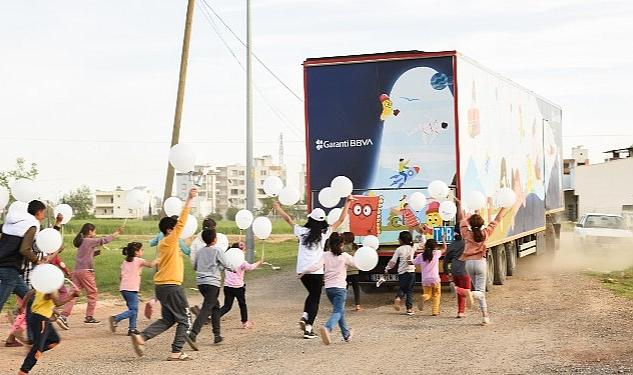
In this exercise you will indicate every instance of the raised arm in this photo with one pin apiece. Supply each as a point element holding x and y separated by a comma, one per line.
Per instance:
<point>313,267</point>
<point>343,216</point>
<point>283,214</point>
<point>174,236</point>
<point>502,212</point>
<point>392,261</point>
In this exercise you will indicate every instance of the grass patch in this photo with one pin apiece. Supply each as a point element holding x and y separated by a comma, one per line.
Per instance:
<point>620,282</point>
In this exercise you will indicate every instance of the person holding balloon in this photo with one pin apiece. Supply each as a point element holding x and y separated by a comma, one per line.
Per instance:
<point>234,287</point>
<point>428,261</point>
<point>312,237</point>
<point>87,242</point>
<point>45,297</point>
<point>403,257</point>
<point>352,272</point>
<point>334,264</point>
<point>168,287</point>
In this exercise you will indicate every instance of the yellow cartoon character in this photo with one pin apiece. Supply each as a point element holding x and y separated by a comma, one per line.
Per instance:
<point>387,107</point>
<point>433,218</point>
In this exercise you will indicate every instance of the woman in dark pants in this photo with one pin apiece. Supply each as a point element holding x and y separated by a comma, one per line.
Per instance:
<point>312,237</point>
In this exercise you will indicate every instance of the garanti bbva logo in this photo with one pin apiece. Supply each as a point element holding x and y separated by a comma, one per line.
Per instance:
<point>320,144</point>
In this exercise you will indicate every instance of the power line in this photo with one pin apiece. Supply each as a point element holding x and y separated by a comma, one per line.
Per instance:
<point>254,55</point>
<point>131,141</point>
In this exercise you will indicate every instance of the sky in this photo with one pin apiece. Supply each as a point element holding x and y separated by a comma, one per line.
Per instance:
<point>88,88</point>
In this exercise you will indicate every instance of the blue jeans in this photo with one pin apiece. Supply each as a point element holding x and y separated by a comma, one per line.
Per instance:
<point>337,297</point>
<point>406,281</point>
<point>11,282</point>
<point>131,300</point>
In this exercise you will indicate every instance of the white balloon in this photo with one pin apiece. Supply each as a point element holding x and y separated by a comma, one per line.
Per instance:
<point>328,197</point>
<point>135,199</point>
<point>447,210</point>
<point>243,219</point>
<point>222,241</point>
<point>182,158</point>
<point>262,227</point>
<point>234,258</point>
<point>366,258</point>
<point>24,190</point>
<point>371,241</point>
<point>273,185</point>
<point>334,215</point>
<point>289,196</point>
<point>191,227</point>
<point>48,240</point>
<point>172,206</point>
<point>438,189</point>
<point>343,186</point>
<point>506,197</point>
<point>47,278</point>
<point>417,201</point>
<point>18,206</point>
<point>4,197</point>
<point>475,200</point>
<point>65,210</point>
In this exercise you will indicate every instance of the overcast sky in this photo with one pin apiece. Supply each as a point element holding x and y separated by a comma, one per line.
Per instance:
<point>87,88</point>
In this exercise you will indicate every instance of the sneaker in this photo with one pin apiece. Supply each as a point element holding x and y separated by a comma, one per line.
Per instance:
<point>410,312</point>
<point>302,324</point>
<point>113,323</point>
<point>218,339</point>
<point>131,332</point>
<point>62,322</point>
<point>348,337</point>
<point>485,321</point>
<point>460,315</point>
<point>191,340</point>
<point>247,325</point>
<point>139,344</point>
<point>149,308</point>
<point>325,335</point>
<point>13,344</point>
<point>91,320</point>
<point>309,335</point>
<point>396,303</point>
<point>358,308</point>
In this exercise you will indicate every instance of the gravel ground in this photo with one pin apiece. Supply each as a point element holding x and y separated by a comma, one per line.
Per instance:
<point>549,318</point>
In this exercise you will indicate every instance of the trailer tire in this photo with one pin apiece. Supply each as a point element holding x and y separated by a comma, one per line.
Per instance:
<point>490,272</point>
<point>500,264</point>
<point>511,257</point>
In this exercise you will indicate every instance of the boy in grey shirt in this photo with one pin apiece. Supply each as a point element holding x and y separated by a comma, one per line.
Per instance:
<point>209,264</point>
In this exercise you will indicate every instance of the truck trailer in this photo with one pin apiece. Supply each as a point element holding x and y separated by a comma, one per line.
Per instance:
<point>394,122</point>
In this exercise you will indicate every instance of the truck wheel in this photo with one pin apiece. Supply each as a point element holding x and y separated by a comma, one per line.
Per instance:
<point>490,272</point>
<point>511,258</point>
<point>500,266</point>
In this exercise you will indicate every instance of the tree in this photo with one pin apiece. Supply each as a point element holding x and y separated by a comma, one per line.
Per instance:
<point>80,200</point>
<point>22,170</point>
<point>215,216</point>
<point>230,213</point>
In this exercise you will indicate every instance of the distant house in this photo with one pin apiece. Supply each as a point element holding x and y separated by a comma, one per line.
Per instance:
<point>111,204</point>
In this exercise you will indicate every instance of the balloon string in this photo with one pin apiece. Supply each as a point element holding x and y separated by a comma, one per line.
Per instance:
<point>263,242</point>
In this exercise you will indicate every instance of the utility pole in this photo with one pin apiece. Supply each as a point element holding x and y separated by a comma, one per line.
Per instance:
<point>250,171</point>
<point>175,134</point>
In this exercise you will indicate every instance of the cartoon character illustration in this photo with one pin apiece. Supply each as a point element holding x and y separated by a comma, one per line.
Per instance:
<point>474,128</point>
<point>398,180</point>
<point>430,130</point>
<point>387,107</point>
<point>403,165</point>
<point>364,218</point>
<point>411,221</point>
<point>433,218</point>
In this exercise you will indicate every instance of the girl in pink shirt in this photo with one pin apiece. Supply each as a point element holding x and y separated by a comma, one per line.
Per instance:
<point>131,270</point>
<point>334,263</point>
<point>429,266</point>
<point>234,288</point>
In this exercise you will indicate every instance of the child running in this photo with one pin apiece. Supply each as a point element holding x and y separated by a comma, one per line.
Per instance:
<point>131,269</point>
<point>352,272</point>
<point>429,264</point>
<point>334,263</point>
<point>406,271</point>
<point>456,271</point>
<point>234,288</point>
<point>44,335</point>
<point>86,243</point>
<point>210,262</point>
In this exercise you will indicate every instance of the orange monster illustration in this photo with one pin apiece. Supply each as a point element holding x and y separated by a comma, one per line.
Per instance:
<point>364,216</point>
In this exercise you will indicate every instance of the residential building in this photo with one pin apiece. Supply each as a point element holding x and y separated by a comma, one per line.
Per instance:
<point>303,182</point>
<point>606,187</point>
<point>111,204</point>
<point>223,187</point>
<point>580,157</point>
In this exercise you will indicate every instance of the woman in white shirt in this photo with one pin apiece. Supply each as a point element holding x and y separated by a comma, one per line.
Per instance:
<point>312,237</point>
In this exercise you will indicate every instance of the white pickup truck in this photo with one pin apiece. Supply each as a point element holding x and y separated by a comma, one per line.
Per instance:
<point>594,229</point>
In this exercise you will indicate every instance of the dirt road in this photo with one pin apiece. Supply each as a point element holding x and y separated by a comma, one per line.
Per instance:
<point>547,319</point>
